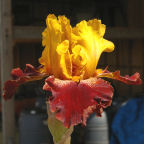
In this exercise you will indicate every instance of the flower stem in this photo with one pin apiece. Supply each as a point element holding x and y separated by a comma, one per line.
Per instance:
<point>68,140</point>
<point>61,134</point>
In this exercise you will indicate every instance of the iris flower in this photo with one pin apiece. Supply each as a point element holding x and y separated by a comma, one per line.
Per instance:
<point>69,65</point>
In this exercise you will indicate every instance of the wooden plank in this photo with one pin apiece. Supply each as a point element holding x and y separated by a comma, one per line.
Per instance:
<point>34,33</point>
<point>134,13</point>
<point>125,33</point>
<point>6,59</point>
<point>27,33</point>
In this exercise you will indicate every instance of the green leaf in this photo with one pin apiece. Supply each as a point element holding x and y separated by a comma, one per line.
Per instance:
<point>61,134</point>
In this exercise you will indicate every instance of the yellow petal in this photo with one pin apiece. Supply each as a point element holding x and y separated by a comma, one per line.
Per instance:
<point>90,36</point>
<point>97,27</point>
<point>108,46</point>
<point>79,60</point>
<point>72,53</point>
<point>65,60</point>
<point>66,27</point>
<point>54,62</point>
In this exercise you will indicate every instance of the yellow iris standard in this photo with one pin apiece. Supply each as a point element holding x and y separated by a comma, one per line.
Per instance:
<point>72,52</point>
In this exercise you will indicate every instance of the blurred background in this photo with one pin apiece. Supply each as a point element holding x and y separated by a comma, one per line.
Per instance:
<point>21,25</point>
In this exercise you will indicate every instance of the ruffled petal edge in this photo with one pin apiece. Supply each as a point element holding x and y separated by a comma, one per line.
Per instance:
<point>131,80</point>
<point>73,102</point>
<point>19,77</point>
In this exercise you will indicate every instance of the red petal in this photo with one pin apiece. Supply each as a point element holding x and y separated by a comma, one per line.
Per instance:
<point>132,80</point>
<point>20,77</point>
<point>73,102</point>
<point>16,73</point>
